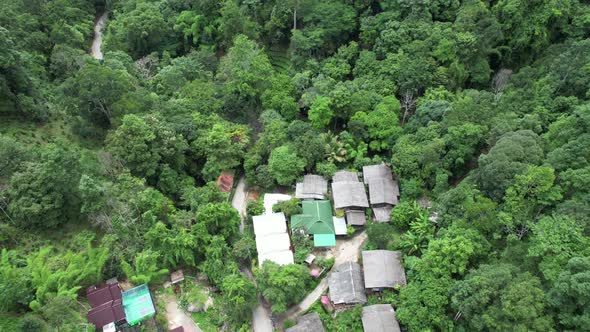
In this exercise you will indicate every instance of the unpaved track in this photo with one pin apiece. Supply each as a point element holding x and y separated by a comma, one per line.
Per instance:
<point>261,316</point>
<point>97,40</point>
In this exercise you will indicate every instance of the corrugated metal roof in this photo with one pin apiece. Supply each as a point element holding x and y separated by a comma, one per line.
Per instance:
<point>383,269</point>
<point>356,217</point>
<point>382,214</point>
<point>343,176</point>
<point>383,191</point>
<point>380,318</point>
<point>373,172</point>
<point>312,187</point>
<point>308,323</point>
<point>346,284</point>
<point>349,194</point>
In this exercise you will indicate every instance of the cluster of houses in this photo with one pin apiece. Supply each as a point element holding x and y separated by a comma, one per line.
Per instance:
<point>317,218</point>
<point>352,196</point>
<point>111,308</point>
<point>349,285</point>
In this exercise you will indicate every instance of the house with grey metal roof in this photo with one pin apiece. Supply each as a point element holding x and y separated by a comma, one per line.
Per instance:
<point>383,269</point>
<point>380,171</point>
<point>349,194</point>
<point>308,323</point>
<point>380,318</point>
<point>356,217</point>
<point>342,176</point>
<point>346,284</point>
<point>383,190</point>
<point>312,187</point>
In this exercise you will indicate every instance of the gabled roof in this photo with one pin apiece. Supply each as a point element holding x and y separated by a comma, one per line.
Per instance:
<point>315,219</point>
<point>373,172</point>
<point>109,312</point>
<point>346,284</point>
<point>383,191</point>
<point>383,269</point>
<point>382,213</point>
<point>379,318</point>
<point>349,194</point>
<point>308,323</point>
<point>312,187</point>
<point>98,296</point>
<point>356,217</point>
<point>342,176</point>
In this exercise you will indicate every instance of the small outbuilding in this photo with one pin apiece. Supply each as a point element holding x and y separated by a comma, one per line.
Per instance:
<point>308,323</point>
<point>383,269</point>
<point>380,318</point>
<point>138,305</point>
<point>349,194</point>
<point>176,277</point>
<point>346,284</point>
<point>339,226</point>
<point>356,217</point>
<point>312,187</point>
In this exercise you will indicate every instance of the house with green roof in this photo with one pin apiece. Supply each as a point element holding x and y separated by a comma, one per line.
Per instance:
<point>316,220</point>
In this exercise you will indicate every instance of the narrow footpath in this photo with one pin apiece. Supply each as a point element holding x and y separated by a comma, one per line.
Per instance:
<point>261,315</point>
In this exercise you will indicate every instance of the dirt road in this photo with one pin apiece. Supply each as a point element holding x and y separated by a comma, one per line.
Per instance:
<point>261,316</point>
<point>97,41</point>
<point>177,317</point>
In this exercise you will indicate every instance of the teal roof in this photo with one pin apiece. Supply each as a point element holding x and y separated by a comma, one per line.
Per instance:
<point>324,240</point>
<point>137,304</point>
<point>316,218</point>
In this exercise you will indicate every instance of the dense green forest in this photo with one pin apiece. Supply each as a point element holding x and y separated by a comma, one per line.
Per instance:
<point>481,107</point>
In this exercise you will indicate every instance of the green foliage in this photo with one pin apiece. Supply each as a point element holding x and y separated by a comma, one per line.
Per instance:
<point>219,219</point>
<point>282,285</point>
<point>320,113</point>
<point>568,297</point>
<point>497,297</point>
<point>289,208</point>
<point>43,194</point>
<point>58,276</point>
<point>240,297</point>
<point>218,263</point>
<point>284,165</point>
<point>144,269</point>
